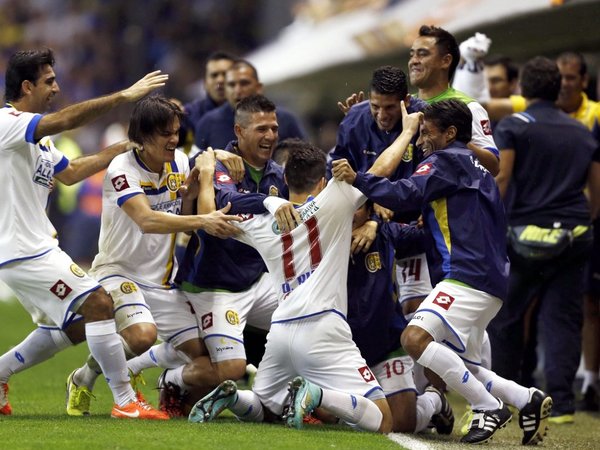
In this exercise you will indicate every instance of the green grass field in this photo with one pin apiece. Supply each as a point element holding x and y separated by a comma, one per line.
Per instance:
<point>39,420</point>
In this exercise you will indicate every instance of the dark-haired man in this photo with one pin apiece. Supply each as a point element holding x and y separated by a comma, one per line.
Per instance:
<point>458,198</point>
<point>45,279</point>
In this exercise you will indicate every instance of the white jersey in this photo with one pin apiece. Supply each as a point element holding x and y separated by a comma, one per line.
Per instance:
<point>481,130</point>
<point>309,266</point>
<point>26,178</point>
<point>147,259</point>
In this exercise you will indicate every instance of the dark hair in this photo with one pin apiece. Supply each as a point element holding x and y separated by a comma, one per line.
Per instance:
<point>219,55</point>
<point>453,112</point>
<point>252,104</point>
<point>25,65</point>
<point>283,148</point>
<point>511,69</point>
<point>574,56</point>
<point>389,80</point>
<point>306,166</point>
<point>150,115</point>
<point>540,78</point>
<point>239,63</point>
<point>445,42</point>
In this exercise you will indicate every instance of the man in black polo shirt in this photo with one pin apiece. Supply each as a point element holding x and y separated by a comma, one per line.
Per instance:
<point>546,158</point>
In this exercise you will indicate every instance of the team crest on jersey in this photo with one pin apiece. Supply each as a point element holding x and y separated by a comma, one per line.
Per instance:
<point>486,126</point>
<point>373,262</point>
<point>232,317</point>
<point>273,191</point>
<point>223,178</point>
<point>443,300</point>
<point>77,271</point>
<point>366,373</point>
<point>127,287</point>
<point>207,321</point>
<point>423,169</point>
<point>275,228</point>
<point>174,181</point>
<point>408,154</point>
<point>61,289</point>
<point>120,183</point>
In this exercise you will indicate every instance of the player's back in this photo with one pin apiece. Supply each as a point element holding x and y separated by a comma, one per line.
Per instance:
<point>309,265</point>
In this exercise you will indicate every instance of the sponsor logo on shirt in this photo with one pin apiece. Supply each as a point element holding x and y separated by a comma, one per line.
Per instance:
<point>223,178</point>
<point>246,216</point>
<point>369,152</point>
<point>273,191</point>
<point>443,300</point>
<point>423,169</point>
<point>486,126</point>
<point>61,289</point>
<point>127,287</point>
<point>44,171</point>
<point>366,373</point>
<point>373,262</point>
<point>171,206</point>
<point>120,183</point>
<point>207,321</point>
<point>77,271</point>
<point>232,317</point>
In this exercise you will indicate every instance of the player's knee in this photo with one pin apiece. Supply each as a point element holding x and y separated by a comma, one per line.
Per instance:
<point>140,337</point>
<point>414,340</point>
<point>233,369</point>
<point>97,306</point>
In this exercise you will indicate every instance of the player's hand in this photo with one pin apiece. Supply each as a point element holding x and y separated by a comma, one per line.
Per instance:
<point>218,223</point>
<point>190,187</point>
<point>355,98</point>
<point>233,163</point>
<point>206,162</point>
<point>342,171</point>
<point>410,122</point>
<point>363,237</point>
<point>475,48</point>
<point>143,87</point>
<point>287,217</point>
<point>385,214</point>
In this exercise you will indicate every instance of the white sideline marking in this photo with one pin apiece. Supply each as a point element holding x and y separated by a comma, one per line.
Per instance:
<point>409,442</point>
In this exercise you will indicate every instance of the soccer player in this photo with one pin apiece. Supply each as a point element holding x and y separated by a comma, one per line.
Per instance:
<point>45,279</point>
<point>144,202</point>
<point>458,198</point>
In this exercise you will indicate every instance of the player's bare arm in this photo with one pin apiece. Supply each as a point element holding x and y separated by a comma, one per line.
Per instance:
<point>81,113</point>
<point>205,164</point>
<point>507,162</point>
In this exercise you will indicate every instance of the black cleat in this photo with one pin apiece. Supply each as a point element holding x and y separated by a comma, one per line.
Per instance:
<point>485,423</point>
<point>533,417</point>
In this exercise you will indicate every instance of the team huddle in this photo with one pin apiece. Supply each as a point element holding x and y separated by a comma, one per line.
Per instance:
<point>374,270</point>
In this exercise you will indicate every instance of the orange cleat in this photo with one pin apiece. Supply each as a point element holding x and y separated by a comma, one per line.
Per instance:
<point>5,408</point>
<point>138,410</point>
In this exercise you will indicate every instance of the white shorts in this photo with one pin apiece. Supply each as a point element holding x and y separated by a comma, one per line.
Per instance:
<point>50,287</point>
<point>412,275</point>
<point>457,316</point>
<point>129,304</point>
<point>395,374</point>
<point>173,315</point>
<point>319,349</point>
<point>223,315</point>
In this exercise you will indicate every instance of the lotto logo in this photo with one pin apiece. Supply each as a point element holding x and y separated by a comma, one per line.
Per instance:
<point>423,169</point>
<point>223,178</point>
<point>207,321</point>
<point>486,127</point>
<point>119,183</point>
<point>366,373</point>
<point>444,300</point>
<point>60,289</point>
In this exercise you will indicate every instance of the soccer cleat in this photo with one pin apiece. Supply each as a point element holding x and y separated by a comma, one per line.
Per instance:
<point>137,380</point>
<point>465,420</point>
<point>138,410</point>
<point>561,419</point>
<point>170,397</point>
<point>312,420</point>
<point>304,398</point>
<point>5,408</point>
<point>78,398</point>
<point>486,423</point>
<point>444,420</point>
<point>532,418</point>
<point>213,404</point>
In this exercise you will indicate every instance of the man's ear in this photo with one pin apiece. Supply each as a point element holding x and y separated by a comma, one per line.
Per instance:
<point>447,60</point>
<point>237,129</point>
<point>27,86</point>
<point>451,132</point>
<point>407,100</point>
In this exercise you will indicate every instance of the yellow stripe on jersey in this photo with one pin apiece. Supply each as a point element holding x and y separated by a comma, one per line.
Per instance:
<point>170,261</point>
<point>440,210</point>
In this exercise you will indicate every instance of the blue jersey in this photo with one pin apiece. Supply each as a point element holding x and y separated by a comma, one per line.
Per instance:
<point>215,129</point>
<point>211,263</point>
<point>463,216</point>
<point>360,140</point>
<point>374,314</point>
<point>195,110</point>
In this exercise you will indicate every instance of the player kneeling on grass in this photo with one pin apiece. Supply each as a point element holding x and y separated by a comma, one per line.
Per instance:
<point>458,198</point>
<point>310,342</point>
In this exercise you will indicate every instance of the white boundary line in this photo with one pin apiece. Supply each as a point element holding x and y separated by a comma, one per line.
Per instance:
<point>408,442</point>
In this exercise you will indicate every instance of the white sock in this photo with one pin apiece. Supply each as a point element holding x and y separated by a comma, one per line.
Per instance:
<point>486,352</point>
<point>106,348</point>
<point>428,404</point>
<point>508,391</point>
<point>88,374</point>
<point>453,371</point>
<point>40,345</point>
<point>357,411</point>
<point>248,407</point>
<point>421,381</point>
<point>590,378</point>
<point>161,355</point>
<point>175,376</point>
